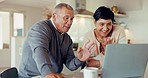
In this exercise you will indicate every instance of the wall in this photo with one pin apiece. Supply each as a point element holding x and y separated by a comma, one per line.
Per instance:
<point>137,22</point>
<point>80,26</point>
<point>5,58</point>
<point>1,44</point>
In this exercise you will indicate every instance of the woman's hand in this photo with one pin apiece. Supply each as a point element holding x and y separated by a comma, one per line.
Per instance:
<point>84,53</point>
<point>105,41</point>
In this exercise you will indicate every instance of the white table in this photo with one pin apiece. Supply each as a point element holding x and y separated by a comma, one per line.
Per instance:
<point>80,75</point>
<point>75,75</point>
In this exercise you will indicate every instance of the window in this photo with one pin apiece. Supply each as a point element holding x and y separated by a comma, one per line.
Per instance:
<point>11,24</point>
<point>18,24</point>
<point>4,29</point>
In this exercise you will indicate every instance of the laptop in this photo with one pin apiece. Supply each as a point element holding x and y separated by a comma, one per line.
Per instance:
<point>125,61</point>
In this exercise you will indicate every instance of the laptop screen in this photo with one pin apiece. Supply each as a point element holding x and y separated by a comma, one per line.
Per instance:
<point>125,61</point>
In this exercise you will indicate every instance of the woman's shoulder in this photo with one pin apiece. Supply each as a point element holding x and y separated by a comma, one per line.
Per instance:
<point>118,27</point>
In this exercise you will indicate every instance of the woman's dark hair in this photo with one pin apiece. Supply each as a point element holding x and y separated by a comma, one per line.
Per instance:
<point>103,13</point>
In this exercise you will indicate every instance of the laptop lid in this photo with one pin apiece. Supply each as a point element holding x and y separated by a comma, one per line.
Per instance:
<point>125,61</point>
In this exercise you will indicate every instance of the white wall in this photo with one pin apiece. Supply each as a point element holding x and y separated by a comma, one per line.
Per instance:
<point>137,22</point>
<point>5,58</point>
<point>79,28</point>
<point>1,43</point>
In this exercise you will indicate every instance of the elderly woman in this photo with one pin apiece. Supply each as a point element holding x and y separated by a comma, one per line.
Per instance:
<point>105,32</point>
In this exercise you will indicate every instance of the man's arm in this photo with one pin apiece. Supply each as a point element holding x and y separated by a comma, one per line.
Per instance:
<point>72,62</point>
<point>39,41</point>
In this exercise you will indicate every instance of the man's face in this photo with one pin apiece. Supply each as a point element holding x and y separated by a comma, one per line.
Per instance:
<point>103,27</point>
<point>63,19</point>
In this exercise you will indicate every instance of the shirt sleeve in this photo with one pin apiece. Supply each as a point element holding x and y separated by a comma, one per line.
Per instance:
<point>72,62</point>
<point>39,38</point>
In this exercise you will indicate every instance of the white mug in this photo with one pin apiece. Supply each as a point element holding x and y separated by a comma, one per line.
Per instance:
<point>90,72</point>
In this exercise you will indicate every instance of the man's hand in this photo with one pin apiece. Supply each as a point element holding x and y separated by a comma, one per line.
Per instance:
<point>53,75</point>
<point>84,53</point>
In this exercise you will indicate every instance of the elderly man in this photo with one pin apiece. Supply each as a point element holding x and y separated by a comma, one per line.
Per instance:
<point>47,46</point>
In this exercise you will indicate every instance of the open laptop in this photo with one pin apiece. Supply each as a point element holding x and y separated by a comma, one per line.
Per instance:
<point>125,61</point>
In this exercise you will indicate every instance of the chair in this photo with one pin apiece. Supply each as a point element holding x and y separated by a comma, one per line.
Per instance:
<point>10,73</point>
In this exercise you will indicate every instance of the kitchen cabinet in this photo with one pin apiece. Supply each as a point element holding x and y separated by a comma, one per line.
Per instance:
<point>118,19</point>
<point>120,15</point>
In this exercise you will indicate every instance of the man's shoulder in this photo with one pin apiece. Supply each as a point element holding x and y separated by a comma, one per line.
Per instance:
<point>41,24</point>
<point>44,22</point>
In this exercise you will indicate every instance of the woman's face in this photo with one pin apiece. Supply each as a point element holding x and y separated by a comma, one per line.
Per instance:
<point>103,27</point>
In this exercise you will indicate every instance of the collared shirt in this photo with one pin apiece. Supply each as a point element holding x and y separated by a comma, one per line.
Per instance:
<point>55,26</point>
<point>53,22</point>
